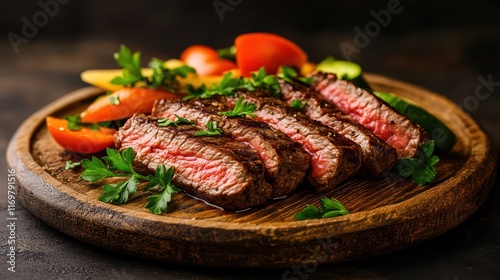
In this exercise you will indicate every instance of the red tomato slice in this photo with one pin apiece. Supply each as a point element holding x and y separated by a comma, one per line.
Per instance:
<point>124,103</point>
<point>255,50</point>
<point>205,60</point>
<point>83,141</point>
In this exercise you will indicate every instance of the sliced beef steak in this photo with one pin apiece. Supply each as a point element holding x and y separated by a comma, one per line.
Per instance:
<point>215,168</point>
<point>368,110</point>
<point>285,161</point>
<point>378,156</point>
<point>333,158</point>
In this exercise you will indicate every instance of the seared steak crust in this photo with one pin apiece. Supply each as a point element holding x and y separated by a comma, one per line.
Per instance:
<point>378,156</point>
<point>333,157</point>
<point>285,161</point>
<point>368,110</point>
<point>218,169</point>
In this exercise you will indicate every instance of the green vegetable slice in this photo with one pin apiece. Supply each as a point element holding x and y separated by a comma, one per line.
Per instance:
<point>345,70</point>
<point>443,137</point>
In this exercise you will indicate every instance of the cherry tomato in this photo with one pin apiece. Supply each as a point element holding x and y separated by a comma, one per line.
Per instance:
<point>84,141</point>
<point>255,50</point>
<point>205,60</point>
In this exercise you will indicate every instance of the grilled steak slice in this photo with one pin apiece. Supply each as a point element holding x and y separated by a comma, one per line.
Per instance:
<point>371,112</point>
<point>378,156</point>
<point>333,157</point>
<point>215,168</point>
<point>285,161</point>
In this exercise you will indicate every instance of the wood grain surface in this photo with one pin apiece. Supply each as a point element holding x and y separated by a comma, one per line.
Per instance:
<point>387,214</point>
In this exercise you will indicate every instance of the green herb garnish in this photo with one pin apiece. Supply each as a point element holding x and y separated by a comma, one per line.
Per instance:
<point>195,92</point>
<point>290,75</point>
<point>240,109</point>
<point>263,81</point>
<point>212,130</point>
<point>114,100</point>
<point>297,104</point>
<point>70,165</point>
<point>132,71</point>
<point>420,170</point>
<point>227,87</point>
<point>120,165</point>
<point>162,181</point>
<point>164,77</point>
<point>329,208</point>
<point>75,123</point>
<point>131,64</point>
<point>176,122</point>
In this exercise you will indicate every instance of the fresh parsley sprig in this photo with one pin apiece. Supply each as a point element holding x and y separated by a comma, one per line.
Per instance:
<point>329,208</point>
<point>260,80</point>
<point>114,100</point>
<point>420,170</point>
<point>71,164</point>
<point>298,105</point>
<point>240,109</point>
<point>167,78</point>
<point>263,81</point>
<point>162,181</point>
<point>212,130</point>
<point>176,122</point>
<point>132,71</point>
<point>120,165</point>
<point>131,64</point>
<point>227,87</point>
<point>75,123</point>
<point>290,75</point>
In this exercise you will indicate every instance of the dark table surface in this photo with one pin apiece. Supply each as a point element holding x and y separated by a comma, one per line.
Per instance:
<point>448,59</point>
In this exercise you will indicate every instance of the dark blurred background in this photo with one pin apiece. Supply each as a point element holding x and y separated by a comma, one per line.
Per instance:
<point>444,46</point>
<point>441,45</point>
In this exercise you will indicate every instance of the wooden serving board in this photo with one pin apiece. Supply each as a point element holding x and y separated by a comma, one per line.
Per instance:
<point>387,214</point>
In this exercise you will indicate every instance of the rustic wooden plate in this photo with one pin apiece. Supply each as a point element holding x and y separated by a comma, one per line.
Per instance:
<point>387,214</point>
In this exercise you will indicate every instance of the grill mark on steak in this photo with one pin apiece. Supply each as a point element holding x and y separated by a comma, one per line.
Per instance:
<point>368,110</point>
<point>285,161</point>
<point>218,169</point>
<point>333,158</point>
<point>378,156</point>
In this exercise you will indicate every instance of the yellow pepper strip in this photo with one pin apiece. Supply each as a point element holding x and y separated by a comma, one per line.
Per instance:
<point>101,78</point>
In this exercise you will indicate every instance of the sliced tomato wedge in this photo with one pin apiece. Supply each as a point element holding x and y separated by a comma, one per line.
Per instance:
<point>84,140</point>
<point>255,50</point>
<point>124,103</point>
<point>206,61</point>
